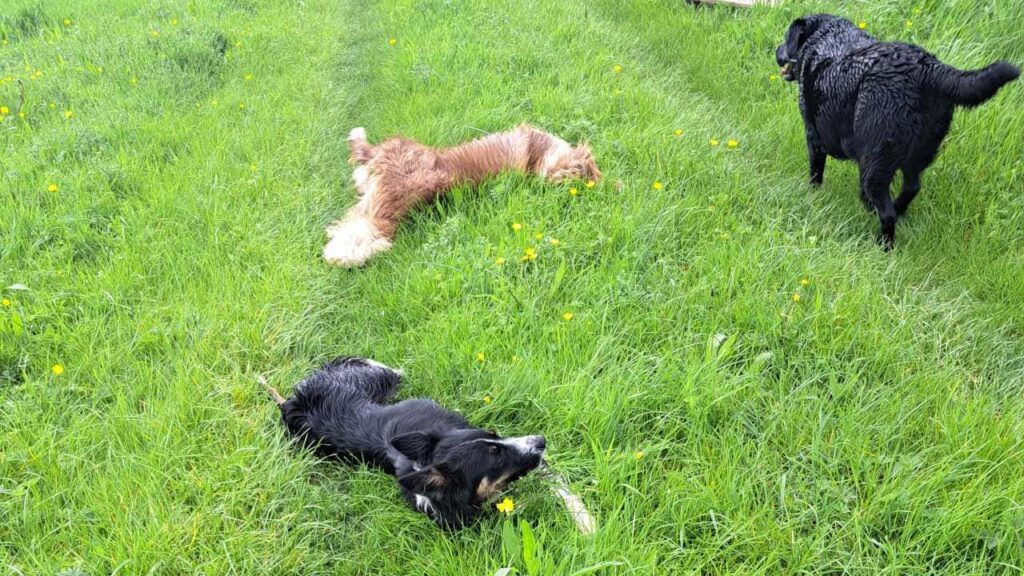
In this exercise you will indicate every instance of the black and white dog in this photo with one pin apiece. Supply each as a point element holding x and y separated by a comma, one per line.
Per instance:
<point>886,105</point>
<point>446,468</point>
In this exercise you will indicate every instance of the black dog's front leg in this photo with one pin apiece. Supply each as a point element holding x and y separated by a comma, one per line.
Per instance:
<point>816,154</point>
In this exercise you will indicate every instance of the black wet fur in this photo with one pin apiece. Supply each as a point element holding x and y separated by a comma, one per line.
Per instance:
<point>885,105</point>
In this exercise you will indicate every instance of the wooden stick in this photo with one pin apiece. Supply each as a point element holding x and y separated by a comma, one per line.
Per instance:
<point>573,503</point>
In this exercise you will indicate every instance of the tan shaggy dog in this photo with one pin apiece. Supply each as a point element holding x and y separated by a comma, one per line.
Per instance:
<point>399,173</point>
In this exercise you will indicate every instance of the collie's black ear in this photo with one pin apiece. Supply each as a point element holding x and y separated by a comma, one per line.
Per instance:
<point>795,37</point>
<point>427,480</point>
<point>416,446</point>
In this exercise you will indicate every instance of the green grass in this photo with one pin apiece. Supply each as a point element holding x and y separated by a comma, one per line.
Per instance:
<point>872,427</point>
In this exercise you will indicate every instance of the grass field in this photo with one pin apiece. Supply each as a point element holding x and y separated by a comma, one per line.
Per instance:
<point>747,383</point>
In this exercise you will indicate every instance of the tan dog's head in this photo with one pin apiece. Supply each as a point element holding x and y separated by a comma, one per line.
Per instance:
<point>577,164</point>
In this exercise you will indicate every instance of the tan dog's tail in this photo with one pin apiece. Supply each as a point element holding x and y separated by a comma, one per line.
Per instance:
<point>360,151</point>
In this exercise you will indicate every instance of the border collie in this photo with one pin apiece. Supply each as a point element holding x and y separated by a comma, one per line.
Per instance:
<point>446,468</point>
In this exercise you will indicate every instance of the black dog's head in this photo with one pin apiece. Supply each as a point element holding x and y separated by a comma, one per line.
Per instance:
<point>788,54</point>
<point>467,466</point>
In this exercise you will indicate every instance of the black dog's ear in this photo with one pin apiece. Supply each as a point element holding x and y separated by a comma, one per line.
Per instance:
<point>426,480</point>
<point>416,446</point>
<point>795,37</point>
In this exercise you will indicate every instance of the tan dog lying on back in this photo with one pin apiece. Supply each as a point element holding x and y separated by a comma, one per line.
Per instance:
<point>399,173</point>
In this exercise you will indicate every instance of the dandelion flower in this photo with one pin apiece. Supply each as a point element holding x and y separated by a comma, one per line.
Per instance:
<point>538,236</point>
<point>590,184</point>
<point>796,297</point>
<point>68,113</point>
<point>154,33</point>
<point>479,356</point>
<point>392,41</point>
<point>499,261</point>
<point>529,254</point>
<point>713,142</point>
<point>4,110</point>
<point>134,81</point>
<point>248,76</point>
<point>57,369</point>
<point>805,282</point>
<point>732,144</point>
<point>657,185</point>
<point>21,114</point>
<point>52,187</point>
<point>617,68</point>
<point>174,21</point>
<point>573,191</point>
<point>241,105</point>
<point>488,399</point>
<point>910,23</point>
<point>567,316</point>
<point>638,454</point>
<point>517,226</point>
<point>5,302</point>
<point>67,22</point>
<point>773,77</point>
<point>679,131</point>
<point>506,506</point>
<point>862,24</point>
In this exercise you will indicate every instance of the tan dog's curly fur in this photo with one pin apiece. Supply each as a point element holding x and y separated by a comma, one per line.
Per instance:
<point>398,173</point>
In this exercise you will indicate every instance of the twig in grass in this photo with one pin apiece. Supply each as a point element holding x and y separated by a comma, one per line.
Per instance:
<point>573,503</point>
<point>270,390</point>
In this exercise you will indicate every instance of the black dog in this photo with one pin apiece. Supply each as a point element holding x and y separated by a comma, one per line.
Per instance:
<point>886,105</point>
<point>446,468</point>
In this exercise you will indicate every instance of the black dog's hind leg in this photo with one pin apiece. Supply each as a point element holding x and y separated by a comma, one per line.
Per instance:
<point>875,180</point>
<point>817,156</point>
<point>911,186</point>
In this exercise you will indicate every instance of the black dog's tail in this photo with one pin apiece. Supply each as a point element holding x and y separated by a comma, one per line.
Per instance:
<point>969,87</point>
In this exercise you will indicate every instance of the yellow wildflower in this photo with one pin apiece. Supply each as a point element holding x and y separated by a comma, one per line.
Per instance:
<point>68,113</point>
<point>567,316</point>
<point>590,184</point>
<point>679,131</point>
<point>617,68</point>
<point>499,261</point>
<point>638,454</point>
<point>796,297</point>
<point>773,77</point>
<point>573,191</point>
<point>732,143</point>
<point>174,21</point>
<point>4,110</point>
<point>657,185</point>
<point>487,399</point>
<point>154,33</point>
<point>5,302</point>
<point>241,105</point>
<point>248,76</point>
<point>517,226</point>
<point>506,506</point>
<point>67,22</point>
<point>134,81</point>
<point>805,282</point>
<point>910,23</point>
<point>713,142</point>
<point>862,24</point>
<point>392,41</point>
<point>57,369</point>
<point>529,254</point>
<point>21,114</point>
<point>52,187</point>
<point>479,356</point>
